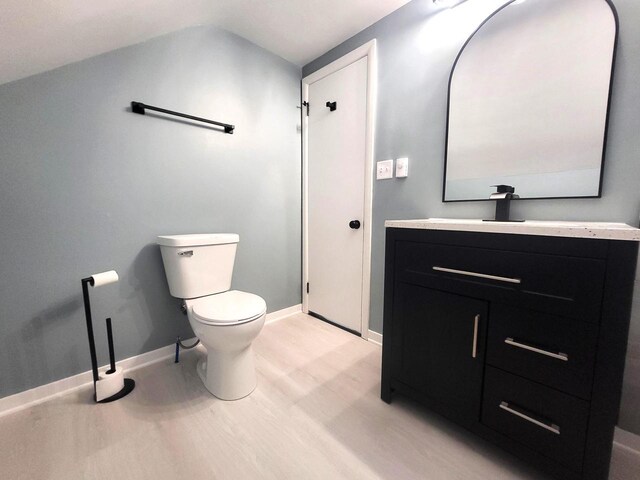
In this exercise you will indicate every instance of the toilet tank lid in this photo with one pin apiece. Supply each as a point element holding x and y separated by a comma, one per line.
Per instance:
<point>198,239</point>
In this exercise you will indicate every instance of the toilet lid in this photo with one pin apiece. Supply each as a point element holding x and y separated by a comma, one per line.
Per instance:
<point>229,307</point>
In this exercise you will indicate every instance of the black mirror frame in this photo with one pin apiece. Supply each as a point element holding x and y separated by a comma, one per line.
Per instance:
<point>606,124</point>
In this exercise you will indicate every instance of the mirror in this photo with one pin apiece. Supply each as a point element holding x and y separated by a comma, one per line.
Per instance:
<point>528,101</point>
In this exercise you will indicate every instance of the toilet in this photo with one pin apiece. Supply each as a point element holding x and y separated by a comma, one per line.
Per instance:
<point>199,269</point>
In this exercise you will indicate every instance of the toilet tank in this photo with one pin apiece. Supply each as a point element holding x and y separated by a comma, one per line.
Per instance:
<point>198,265</point>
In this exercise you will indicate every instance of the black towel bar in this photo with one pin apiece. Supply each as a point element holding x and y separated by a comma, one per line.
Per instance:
<point>139,107</point>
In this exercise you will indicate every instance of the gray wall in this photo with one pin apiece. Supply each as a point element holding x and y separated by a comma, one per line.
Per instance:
<point>85,186</point>
<point>416,48</point>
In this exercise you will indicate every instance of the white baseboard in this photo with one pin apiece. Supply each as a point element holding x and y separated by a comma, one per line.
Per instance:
<point>28,398</point>
<point>284,313</point>
<point>626,453</point>
<point>627,440</point>
<point>20,401</point>
<point>375,337</point>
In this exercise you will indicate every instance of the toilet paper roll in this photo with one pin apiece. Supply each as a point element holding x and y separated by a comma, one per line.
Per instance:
<point>109,384</point>
<point>104,278</point>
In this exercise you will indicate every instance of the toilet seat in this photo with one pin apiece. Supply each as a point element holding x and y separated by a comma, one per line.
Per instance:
<point>228,308</point>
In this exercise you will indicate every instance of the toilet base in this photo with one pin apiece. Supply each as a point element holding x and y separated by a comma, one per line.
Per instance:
<point>228,375</point>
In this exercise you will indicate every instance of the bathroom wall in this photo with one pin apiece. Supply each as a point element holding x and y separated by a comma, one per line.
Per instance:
<point>86,186</point>
<point>417,45</point>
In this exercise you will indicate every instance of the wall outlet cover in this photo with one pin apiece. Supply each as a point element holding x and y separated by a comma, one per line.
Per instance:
<point>384,169</point>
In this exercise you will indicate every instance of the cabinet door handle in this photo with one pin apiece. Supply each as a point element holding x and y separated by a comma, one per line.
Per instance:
<point>474,346</point>
<point>552,427</point>
<point>560,356</point>
<point>476,274</point>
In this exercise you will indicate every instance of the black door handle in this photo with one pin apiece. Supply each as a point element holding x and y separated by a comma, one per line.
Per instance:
<point>355,224</point>
<point>332,106</point>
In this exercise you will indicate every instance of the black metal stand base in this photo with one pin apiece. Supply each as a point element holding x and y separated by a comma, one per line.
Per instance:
<point>129,385</point>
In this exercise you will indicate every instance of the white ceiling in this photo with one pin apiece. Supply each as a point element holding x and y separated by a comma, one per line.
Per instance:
<point>38,35</point>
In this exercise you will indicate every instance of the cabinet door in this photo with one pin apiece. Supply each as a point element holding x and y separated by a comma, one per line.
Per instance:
<point>438,347</point>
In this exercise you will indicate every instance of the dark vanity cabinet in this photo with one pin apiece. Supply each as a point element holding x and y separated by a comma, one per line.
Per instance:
<point>437,345</point>
<point>519,338</point>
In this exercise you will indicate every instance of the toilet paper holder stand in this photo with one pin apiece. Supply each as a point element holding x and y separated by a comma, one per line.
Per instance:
<point>129,383</point>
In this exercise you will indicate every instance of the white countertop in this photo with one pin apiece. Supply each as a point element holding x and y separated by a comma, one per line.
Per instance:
<point>603,230</point>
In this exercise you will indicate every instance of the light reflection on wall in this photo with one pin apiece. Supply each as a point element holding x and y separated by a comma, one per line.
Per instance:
<point>447,27</point>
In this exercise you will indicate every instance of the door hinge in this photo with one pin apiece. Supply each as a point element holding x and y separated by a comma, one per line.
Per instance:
<point>306,104</point>
<point>307,287</point>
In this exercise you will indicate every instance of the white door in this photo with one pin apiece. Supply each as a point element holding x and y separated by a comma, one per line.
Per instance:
<point>336,194</point>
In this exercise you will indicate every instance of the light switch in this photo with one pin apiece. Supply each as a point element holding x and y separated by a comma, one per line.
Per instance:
<point>402,167</point>
<point>384,169</point>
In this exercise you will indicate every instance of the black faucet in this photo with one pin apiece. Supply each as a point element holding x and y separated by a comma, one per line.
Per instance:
<point>503,198</point>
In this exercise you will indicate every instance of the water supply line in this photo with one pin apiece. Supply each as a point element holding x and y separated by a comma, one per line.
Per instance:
<point>183,309</point>
<point>185,347</point>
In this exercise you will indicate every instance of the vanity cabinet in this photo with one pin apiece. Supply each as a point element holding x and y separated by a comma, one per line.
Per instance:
<point>519,338</point>
<point>437,338</point>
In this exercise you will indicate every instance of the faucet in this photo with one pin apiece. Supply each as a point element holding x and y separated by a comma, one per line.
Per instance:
<point>503,198</point>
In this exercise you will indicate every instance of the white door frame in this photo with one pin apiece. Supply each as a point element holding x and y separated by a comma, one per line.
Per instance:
<point>367,50</point>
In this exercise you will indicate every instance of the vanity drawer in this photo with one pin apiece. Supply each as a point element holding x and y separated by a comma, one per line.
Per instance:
<point>547,421</point>
<point>564,285</point>
<point>556,351</point>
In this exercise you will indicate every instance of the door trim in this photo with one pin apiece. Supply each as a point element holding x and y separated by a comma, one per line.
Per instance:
<point>367,50</point>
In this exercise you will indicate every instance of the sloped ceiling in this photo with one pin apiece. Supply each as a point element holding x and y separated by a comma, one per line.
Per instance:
<point>39,35</point>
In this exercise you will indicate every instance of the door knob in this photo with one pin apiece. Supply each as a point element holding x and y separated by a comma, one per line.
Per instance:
<point>355,224</point>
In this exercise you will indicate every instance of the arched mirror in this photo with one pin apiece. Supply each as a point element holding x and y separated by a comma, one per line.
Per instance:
<point>528,101</point>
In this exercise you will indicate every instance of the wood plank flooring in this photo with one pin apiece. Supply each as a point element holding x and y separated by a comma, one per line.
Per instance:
<point>316,414</point>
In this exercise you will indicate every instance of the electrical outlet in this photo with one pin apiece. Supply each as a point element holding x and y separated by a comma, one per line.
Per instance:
<point>384,169</point>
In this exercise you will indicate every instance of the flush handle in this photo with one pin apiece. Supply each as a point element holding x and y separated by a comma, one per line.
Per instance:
<point>186,253</point>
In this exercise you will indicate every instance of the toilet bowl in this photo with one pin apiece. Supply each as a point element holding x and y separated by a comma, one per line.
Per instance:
<point>199,269</point>
<point>226,324</point>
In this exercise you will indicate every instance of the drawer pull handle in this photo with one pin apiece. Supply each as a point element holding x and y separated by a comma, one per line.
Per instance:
<point>474,347</point>
<point>560,356</point>
<point>552,427</point>
<point>476,274</point>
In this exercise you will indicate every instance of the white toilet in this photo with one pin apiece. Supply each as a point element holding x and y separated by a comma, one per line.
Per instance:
<point>199,269</point>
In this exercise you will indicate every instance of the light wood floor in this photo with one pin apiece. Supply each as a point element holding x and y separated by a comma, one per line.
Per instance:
<point>316,414</point>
